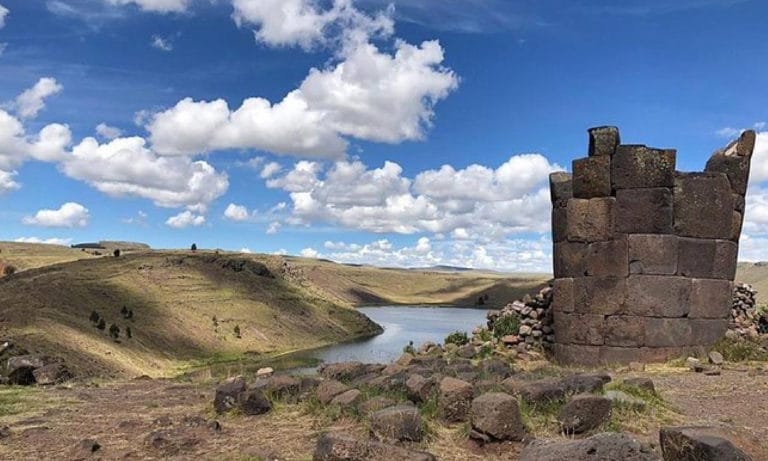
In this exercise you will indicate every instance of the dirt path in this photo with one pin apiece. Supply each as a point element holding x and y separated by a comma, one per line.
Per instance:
<point>160,419</point>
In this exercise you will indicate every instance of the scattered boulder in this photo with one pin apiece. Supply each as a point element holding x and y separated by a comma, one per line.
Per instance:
<point>347,371</point>
<point>54,373</point>
<point>496,416</point>
<point>537,392</point>
<point>602,447</point>
<point>715,358</point>
<point>348,399</point>
<point>398,423</point>
<point>454,400</point>
<point>694,364</point>
<point>227,393</point>
<point>585,382</point>
<point>253,402</point>
<point>21,367</point>
<point>5,432</point>
<point>265,372</point>
<point>466,351</point>
<point>645,384</point>
<point>341,447</point>
<point>374,404</point>
<point>419,388</point>
<point>329,389</point>
<point>584,412</point>
<point>283,387</point>
<point>496,368</point>
<point>697,444</point>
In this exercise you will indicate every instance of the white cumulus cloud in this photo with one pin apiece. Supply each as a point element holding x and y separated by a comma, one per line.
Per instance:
<point>157,6</point>
<point>108,132</point>
<point>3,13</point>
<point>7,183</point>
<point>47,241</point>
<point>29,103</point>
<point>270,169</point>
<point>309,253</point>
<point>236,212</point>
<point>185,219</point>
<point>162,44</point>
<point>70,214</point>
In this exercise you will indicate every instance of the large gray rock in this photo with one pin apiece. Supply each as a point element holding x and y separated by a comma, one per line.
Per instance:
<point>496,416</point>
<point>283,387</point>
<point>347,371</point>
<point>329,389</point>
<point>54,373</point>
<point>21,367</point>
<point>584,412</point>
<point>592,177</point>
<point>398,423</point>
<point>419,388</point>
<point>638,167</point>
<point>698,444</point>
<point>591,220</point>
<point>600,447</point>
<point>341,447</point>
<point>703,205</point>
<point>603,140</point>
<point>253,402</point>
<point>227,393</point>
<point>455,399</point>
<point>348,399</point>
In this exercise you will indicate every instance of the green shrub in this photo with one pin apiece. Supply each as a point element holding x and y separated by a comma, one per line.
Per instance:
<point>458,338</point>
<point>409,349</point>
<point>740,350</point>
<point>508,324</point>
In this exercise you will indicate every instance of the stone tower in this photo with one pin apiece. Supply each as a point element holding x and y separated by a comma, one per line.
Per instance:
<point>644,256</point>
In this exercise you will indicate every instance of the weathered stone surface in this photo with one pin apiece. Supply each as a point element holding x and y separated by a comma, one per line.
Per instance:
<point>667,332</point>
<point>576,353</point>
<point>652,254</point>
<point>602,447</point>
<point>603,140</point>
<point>328,389</point>
<point>253,402</point>
<point>711,299</point>
<point>738,203</point>
<point>398,423</point>
<point>645,384</point>
<point>374,404</point>
<point>736,224</point>
<point>419,388</point>
<point>600,295</point>
<point>537,392</point>
<point>454,399</point>
<point>698,444</point>
<point>283,387</point>
<point>715,358</point>
<point>608,259</point>
<point>703,205</point>
<point>583,413</point>
<point>562,295</point>
<point>342,447</point>
<point>20,369</point>
<point>560,188</point>
<point>585,382</point>
<point>53,373</point>
<point>696,257</point>
<point>348,399</point>
<point>614,355</point>
<point>571,328</point>
<point>734,166</point>
<point>644,211</point>
<point>559,224</point>
<point>497,369</point>
<point>726,254</point>
<point>658,296</point>
<point>570,259</point>
<point>591,220</point>
<point>226,396</point>
<point>497,416</point>
<point>592,177</point>
<point>635,166</point>
<point>624,331</point>
<point>705,332</point>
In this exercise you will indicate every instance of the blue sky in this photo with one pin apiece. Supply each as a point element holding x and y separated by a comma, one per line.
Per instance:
<point>404,133</point>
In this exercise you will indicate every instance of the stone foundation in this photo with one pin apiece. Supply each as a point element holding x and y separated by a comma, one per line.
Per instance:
<point>644,256</point>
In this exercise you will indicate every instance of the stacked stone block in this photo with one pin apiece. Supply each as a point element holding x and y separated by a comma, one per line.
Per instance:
<point>644,256</point>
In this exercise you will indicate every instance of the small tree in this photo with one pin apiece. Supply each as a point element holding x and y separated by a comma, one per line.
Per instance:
<point>193,247</point>
<point>9,270</point>
<point>480,301</point>
<point>101,325</point>
<point>124,312</point>
<point>94,318</point>
<point>116,253</point>
<point>237,331</point>
<point>458,338</point>
<point>128,332</point>
<point>114,331</point>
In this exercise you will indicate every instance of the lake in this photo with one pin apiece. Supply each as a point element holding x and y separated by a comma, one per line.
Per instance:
<point>401,324</point>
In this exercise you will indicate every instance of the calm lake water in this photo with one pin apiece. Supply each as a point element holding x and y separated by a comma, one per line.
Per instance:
<point>401,324</point>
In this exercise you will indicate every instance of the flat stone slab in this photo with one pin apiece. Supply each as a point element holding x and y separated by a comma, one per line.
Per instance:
<point>698,444</point>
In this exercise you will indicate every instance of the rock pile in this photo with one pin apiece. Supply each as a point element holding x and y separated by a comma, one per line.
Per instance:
<point>536,328</point>
<point>745,319</point>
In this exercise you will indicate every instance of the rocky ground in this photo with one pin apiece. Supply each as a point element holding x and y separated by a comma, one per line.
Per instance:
<point>167,419</point>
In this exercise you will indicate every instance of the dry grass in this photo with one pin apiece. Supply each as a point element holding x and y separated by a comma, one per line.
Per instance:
<point>26,256</point>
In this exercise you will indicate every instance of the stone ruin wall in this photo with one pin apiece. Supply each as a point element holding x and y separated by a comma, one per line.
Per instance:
<point>644,256</point>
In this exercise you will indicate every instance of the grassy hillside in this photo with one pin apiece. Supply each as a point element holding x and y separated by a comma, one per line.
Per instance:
<point>32,255</point>
<point>363,285</point>
<point>174,298</point>
<point>757,276</point>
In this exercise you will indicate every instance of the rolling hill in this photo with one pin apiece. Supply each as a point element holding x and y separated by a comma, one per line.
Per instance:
<point>186,306</point>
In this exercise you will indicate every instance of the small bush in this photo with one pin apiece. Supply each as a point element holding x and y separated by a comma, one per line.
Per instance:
<point>128,332</point>
<point>409,349</point>
<point>458,338</point>
<point>101,325</point>
<point>9,270</point>
<point>237,331</point>
<point>114,331</point>
<point>94,318</point>
<point>506,325</point>
<point>116,253</point>
<point>480,301</point>
<point>193,247</point>
<point>740,350</point>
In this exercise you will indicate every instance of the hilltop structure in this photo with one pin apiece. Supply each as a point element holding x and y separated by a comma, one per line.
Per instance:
<point>644,255</point>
